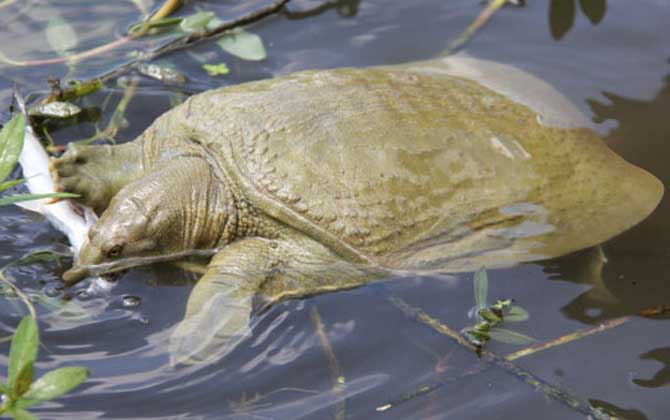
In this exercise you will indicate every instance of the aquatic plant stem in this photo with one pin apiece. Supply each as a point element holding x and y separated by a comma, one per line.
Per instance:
<point>335,372</point>
<point>168,8</point>
<point>24,298</point>
<point>528,378</point>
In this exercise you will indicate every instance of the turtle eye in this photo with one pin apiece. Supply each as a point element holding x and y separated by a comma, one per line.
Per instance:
<point>115,251</point>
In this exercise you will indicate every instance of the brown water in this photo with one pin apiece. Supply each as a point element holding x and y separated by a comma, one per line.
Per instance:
<point>617,72</point>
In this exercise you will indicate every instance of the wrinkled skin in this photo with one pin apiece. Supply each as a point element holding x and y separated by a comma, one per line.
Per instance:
<point>325,180</point>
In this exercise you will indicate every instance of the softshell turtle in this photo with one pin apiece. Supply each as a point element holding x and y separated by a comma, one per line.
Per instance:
<point>323,180</point>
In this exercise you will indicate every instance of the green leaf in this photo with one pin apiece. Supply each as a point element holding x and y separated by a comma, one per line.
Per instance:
<point>54,384</point>
<point>516,314</point>
<point>4,389</point>
<point>481,283</point>
<point>10,184</point>
<point>594,9</point>
<point>60,35</point>
<point>196,22</point>
<point>4,201</point>
<point>509,336</point>
<point>23,351</point>
<point>20,414</point>
<point>24,379</point>
<point>243,44</point>
<point>489,316</point>
<point>562,15</point>
<point>11,144</point>
<point>216,69</point>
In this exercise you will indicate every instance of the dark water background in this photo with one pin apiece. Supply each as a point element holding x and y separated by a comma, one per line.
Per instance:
<point>617,72</point>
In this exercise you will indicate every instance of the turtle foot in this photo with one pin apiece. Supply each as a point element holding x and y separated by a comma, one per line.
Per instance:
<point>86,171</point>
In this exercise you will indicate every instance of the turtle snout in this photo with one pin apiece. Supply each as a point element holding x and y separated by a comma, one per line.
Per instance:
<point>89,255</point>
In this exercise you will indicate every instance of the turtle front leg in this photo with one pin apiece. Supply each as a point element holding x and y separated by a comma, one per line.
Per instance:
<point>219,309</point>
<point>97,172</point>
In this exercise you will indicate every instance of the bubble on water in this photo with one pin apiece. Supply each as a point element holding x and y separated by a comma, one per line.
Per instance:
<point>131,301</point>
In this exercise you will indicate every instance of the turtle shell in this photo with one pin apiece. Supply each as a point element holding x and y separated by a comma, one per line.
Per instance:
<point>414,170</point>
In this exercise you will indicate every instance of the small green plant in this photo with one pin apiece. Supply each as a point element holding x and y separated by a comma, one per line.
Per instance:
<point>490,317</point>
<point>21,391</point>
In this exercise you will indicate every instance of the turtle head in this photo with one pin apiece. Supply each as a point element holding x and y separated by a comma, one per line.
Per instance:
<point>178,208</point>
<point>129,227</point>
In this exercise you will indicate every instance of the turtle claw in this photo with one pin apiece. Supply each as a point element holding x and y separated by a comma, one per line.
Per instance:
<point>81,170</point>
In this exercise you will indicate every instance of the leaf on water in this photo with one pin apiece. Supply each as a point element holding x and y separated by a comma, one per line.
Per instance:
<point>594,9</point>
<point>516,314</point>
<point>509,336</point>
<point>60,35</point>
<point>23,351</point>
<point>216,69</point>
<point>54,384</point>
<point>243,44</point>
<point>562,15</point>
<point>10,184</point>
<point>55,110</point>
<point>481,284</point>
<point>162,73</point>
<point>11,143</point>
<point>196,22</point>
<point>12,199</point>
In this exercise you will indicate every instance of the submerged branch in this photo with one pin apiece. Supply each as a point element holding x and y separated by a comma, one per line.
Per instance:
<point>335,372</point>
<point>605,326</point>
<point>521,374</point>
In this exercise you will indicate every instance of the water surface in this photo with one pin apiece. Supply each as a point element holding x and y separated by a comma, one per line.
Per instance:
<point>617,72</point>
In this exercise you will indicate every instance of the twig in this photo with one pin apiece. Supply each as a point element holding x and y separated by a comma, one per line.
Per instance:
<point>523,375</point>
<point>181,42</point>
<point>477,24</point>
<point>335,372</point>
<point>605,326</point>
<point>608,325</point>
<point>198,37</point>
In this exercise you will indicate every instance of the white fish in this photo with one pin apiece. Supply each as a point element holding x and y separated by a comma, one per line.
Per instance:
<point>73,219</point>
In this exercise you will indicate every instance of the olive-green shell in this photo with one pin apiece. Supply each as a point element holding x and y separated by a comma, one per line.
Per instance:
<point>413,170</point>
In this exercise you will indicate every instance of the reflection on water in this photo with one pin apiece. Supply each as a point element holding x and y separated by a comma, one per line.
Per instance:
<point>281,371</point>
<point>629,281</point>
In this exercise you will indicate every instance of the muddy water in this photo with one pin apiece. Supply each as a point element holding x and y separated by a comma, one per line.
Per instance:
<point>617,72</point>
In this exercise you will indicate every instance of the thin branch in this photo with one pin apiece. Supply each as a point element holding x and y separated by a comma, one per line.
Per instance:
<point>197,37</point>
<point>475,26</point>
<point>521,374</point>
<point>605,326</point>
